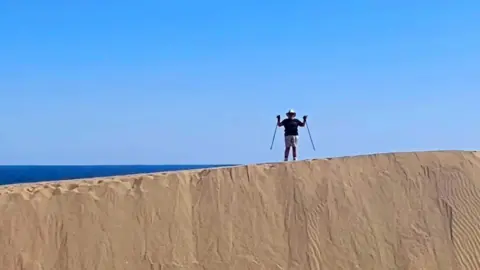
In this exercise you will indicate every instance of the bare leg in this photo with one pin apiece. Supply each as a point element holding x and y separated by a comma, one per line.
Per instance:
<point>294,152</point>
<point>287,152</point>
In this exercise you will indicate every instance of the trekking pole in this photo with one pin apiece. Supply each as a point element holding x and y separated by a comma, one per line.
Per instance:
<point>274,133</point>
<point>306,124</point>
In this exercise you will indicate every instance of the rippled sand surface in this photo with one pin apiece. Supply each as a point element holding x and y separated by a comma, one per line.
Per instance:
<point>385,211</point>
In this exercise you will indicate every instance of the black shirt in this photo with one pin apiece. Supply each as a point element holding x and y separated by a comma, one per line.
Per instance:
<point>291,126</point>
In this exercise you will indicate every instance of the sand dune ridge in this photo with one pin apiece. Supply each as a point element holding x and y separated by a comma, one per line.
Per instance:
<point>384,211</point>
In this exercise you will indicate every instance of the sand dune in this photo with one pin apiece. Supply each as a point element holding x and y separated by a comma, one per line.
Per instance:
<point>386,211</point>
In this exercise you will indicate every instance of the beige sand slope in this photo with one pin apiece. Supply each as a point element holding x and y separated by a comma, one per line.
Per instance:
<point>387,211</point>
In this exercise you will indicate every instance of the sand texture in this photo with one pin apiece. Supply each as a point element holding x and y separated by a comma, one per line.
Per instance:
<point>385,211</point>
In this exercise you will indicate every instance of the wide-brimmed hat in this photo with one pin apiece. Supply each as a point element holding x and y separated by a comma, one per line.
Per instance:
<point>291,112</point>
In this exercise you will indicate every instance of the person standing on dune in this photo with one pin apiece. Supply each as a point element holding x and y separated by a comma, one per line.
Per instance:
<point>291,125</point>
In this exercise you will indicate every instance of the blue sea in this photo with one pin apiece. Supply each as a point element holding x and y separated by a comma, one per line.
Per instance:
<point>29,174</point>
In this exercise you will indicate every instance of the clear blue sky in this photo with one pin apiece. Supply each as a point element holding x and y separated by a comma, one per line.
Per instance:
<point>157,82</point>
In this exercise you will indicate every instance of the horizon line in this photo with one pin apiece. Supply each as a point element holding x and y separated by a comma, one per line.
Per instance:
<point>95,165</point>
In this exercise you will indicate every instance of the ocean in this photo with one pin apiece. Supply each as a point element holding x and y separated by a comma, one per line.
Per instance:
<point>30,174</point>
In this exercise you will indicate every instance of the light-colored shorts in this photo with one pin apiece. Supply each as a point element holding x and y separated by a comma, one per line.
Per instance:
<point>291,141</point>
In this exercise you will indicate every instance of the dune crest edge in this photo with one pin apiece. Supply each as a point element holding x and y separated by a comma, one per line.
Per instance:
<point>413,210</point>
